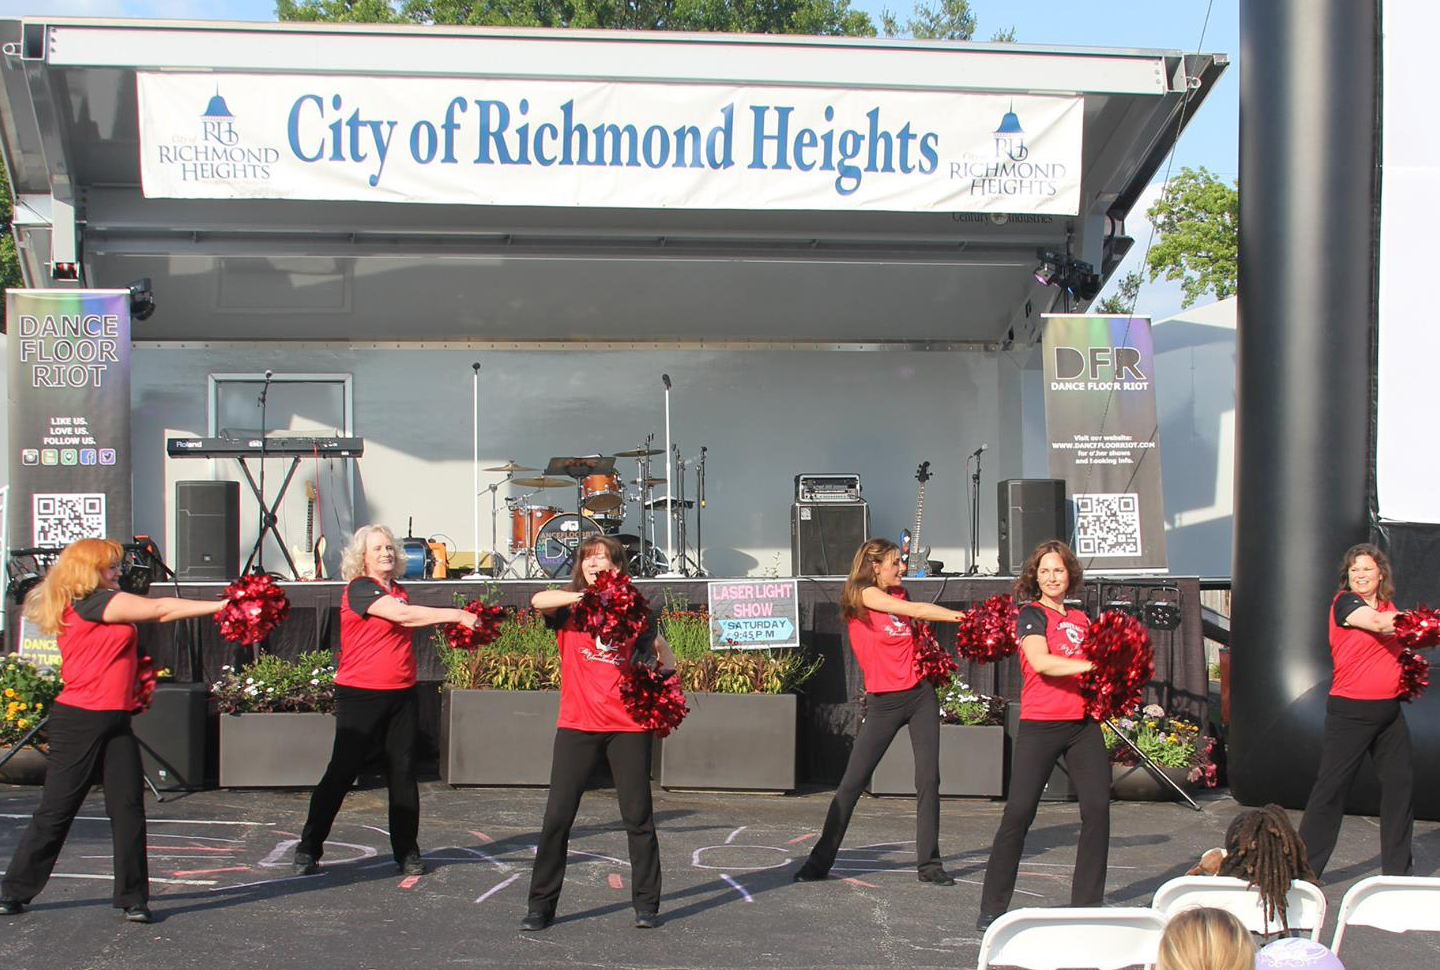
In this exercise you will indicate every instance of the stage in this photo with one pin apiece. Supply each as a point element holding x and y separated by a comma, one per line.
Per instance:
<point>196,652</point>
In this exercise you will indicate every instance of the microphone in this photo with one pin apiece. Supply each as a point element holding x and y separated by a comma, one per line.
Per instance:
<point>666,379</point>
<point>264,389</point>
<point>976,452</point>
<point>269,374</point>
<point>476,366</point>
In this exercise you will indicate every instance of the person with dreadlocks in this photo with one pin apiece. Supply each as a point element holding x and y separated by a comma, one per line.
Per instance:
<point>1262,848</point>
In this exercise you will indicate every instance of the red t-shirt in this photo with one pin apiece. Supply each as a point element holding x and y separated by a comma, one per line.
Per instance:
<point>884,644</point>
<point>99,661</point>
<point>1367,665</point>
<point>591,674</point>
<point>1044,697</point>
<point>375,653</point>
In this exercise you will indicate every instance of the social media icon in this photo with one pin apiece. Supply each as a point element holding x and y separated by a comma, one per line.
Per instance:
<point>88,456</point>
<point>69,456</point>
<point>107,456</point>
<point>30,456</point>
<point>49,456</point>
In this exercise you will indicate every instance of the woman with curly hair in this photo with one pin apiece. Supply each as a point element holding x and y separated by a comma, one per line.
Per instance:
<point>89,730</point>
<point>1053,724</point>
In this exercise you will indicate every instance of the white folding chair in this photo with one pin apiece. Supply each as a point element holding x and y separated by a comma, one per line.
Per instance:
<point>1394,903</point>
<point>1304,902</point>
<point>1049,939</point>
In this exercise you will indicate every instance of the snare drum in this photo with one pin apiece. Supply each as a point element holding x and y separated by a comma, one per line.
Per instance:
<point>602,493</point>
<point>525,523</point>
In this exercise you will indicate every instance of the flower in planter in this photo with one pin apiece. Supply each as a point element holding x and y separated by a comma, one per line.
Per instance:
<point>1169,741</point>
<point>271,684</point>
<point>524,655</point>
<point>960,704</point>
<point>26,692</point>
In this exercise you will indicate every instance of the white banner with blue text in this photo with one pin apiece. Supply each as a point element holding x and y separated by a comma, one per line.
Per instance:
<point>481,141</point>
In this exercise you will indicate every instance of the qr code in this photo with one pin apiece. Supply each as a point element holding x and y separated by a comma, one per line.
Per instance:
<point>61,518</point>
<point>1107,524</point>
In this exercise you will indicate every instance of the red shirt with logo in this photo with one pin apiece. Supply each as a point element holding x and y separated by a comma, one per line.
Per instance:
<point>1367,665</point>
<point>884,644</point>
<point>591,675</point>
<point>1044,697</point>
<point>99,661</point>
<point>375,653</point>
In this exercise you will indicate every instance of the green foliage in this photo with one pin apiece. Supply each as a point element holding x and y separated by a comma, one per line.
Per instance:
<point>949,20</point>
<point>337,11</point>
<point>959,704</point>
<point>270,684</point>
<point>1005,35</point>
<point>1170,742</point>
<point>1197,219</point>
<point>26,693</point>
<point>686,630</point>
<point>747,671</point>
<point>10,276</point>
<point>1122,302</point>
<point>525,656</point>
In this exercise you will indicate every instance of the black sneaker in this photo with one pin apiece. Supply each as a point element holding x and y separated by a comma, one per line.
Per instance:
<point>305,863</point>
<point>536,921</point>
<point>11,907</point>
<point>139,913</point>
<point>412,865</point>
<point>937,877</point>
<point>983,923</point>
<point>646,921</point>
<point>806,874</point>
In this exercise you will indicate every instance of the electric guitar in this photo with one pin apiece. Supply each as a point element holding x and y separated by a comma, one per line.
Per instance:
<point>310,559</point>
<point>913,556</point>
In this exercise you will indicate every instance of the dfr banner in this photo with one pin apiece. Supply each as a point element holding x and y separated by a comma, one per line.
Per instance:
<point>69,372</point>
<point>1104,437</point>
<point>483,141</point>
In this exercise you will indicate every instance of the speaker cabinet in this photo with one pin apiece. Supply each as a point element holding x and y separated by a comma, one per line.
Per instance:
<point>207,530</point>
<point>1032,511</point>
<point>825,535</point>
<point>172,736</point>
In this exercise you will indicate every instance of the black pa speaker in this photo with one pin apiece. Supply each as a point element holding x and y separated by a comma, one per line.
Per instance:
<point>1032,511</point>
<point>172,736</point>
<point>207,530</point>
<point>825,535</point>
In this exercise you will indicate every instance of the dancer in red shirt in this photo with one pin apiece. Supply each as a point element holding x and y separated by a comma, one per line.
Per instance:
<point>882,634</point>
<point>375,696</point>
<point>594,724</point>
<point>89,728</point>
<point>1363,714</point>
<point>1052,723</point>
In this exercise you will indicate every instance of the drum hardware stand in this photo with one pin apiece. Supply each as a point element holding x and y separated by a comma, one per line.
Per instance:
<point>682,521</point>
<point>669,487</point>
<point>495,557</point>
<point>699,513</point>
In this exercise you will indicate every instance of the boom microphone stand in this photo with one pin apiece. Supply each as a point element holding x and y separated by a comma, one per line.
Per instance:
<point>974,567</point>
<point>264,512</point>
<point>669,489</point>
<point>475,472</point>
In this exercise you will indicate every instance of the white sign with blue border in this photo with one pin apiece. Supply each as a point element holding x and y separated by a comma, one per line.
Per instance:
<point>753,614</point>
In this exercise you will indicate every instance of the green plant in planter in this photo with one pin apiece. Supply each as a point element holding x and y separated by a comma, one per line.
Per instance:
<point>525,656</point>
<point>959,704</point>
<point>26,693</point>
<point>271,684</point>
<point>1169,741</point>
<point>729,671</point>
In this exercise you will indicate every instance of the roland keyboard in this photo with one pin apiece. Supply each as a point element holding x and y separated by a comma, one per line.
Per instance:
<point>251,447</point>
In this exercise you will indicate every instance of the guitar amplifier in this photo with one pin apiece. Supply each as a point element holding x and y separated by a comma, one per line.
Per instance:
<point>824,536</point>
<point>831,487</point>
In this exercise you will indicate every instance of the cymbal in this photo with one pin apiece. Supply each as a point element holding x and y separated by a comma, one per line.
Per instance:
<point>647,481</point>
<point>664,502</point>
<point>639,453</point>
<point>543,482</point>
<point>588,461</point>
<point>510,466</point>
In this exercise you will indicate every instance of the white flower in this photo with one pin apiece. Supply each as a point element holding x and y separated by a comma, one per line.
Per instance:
<point>249,680</point>
<point>315,683</point>
<point>315,672</point>
<point>1154,710</point>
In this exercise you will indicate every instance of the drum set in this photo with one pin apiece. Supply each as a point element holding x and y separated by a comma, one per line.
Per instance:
<point>543,538</point>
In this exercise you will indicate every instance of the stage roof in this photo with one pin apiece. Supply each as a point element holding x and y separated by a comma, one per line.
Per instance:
<point>376,272</point>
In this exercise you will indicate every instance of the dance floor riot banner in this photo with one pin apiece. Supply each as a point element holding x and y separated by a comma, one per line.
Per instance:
<point>1103,434</point>
<point>517,142</point>
<point>69,398</point>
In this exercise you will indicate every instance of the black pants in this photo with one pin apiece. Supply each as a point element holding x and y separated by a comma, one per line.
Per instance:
<point>363,720</point>
<point>84,744</point>
<point>1037,747</point>
<point>885,713</point>
<point>576,755</point>
<point>1352,728</point>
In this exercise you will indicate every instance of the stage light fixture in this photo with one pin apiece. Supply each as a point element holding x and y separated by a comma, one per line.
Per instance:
<point>1129,607</point>
<point>1072,275</point>
<point>1162,615</point>
<point>142,299</point>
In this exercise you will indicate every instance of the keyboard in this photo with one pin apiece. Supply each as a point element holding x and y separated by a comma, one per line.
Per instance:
<point>250,447</point>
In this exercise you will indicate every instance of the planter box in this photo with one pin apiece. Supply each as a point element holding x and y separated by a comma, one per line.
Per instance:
<point>274,750</point>
<point>744,742</point>
<point>25,767</point>
<point>972,763</point>
<point>1137,783</point>
<point>497,737</point>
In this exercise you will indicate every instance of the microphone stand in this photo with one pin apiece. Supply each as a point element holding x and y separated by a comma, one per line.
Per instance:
<point>669,489</point>
<point>264,512</point>
<point>699,510</point>
<point>974,568</point>
<point>475,473</point>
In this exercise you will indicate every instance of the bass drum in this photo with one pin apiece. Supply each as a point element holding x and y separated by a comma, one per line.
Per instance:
<point>558,539</point>
<point>419,560</point>
<point>649,561</point>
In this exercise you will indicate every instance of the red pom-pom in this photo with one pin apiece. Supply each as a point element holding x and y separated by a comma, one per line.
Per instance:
<point>932,661</point>
<point>987,633</point>
<point>486,629</point>
<point>144,685</point>
<point>612,611</point>
<point>1418,628</point>
<point>254,605</point>
<point>1414,675</point>
<point>654,700</point>
<point>1119,646</point>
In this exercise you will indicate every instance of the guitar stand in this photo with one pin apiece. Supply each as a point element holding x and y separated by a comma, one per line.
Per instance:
<point>1154,768</point>
<point>269,520</point>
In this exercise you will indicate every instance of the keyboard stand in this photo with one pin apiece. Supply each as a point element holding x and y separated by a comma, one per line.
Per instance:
<point>269,520</point>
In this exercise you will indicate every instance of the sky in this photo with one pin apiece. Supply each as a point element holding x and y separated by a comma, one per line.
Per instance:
<point>1211,139</point>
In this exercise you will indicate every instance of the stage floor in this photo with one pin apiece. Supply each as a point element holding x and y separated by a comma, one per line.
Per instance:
<point>225,897</point>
